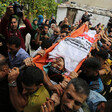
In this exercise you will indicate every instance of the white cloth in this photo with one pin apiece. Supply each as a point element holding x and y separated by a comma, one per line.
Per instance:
<point>73,50</point>
<point>27,44</point>
<point>27,41</point>
<point>33,54</point>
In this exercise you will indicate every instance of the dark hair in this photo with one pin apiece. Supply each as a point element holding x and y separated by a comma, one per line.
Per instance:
<point>46,43</point>
<point>102,53</point>
<point>65,26</point>
<point>108,107</point>
<point>3,61</point>
<point>64,32</point>
<point>45,25</point>
<point>14,40</point>
<point>13,17</point>
<point>92,63</point>
<point>46,21</point>
<point>80,86</point>
<point>32,75</point>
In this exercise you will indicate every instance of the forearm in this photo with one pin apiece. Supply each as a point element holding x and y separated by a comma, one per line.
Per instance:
<point>47,81</point>
<point>3,25</point>
<point>37,38</point>
<point>17,100</point>
<point>27,23</point>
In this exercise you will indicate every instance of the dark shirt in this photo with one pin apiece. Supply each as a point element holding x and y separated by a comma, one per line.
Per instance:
<point>5,104</point>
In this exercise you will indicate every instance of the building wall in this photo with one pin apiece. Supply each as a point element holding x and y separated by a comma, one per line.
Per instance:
<point>95,19</point>
<point>96,3</point>
<point>61,14</point>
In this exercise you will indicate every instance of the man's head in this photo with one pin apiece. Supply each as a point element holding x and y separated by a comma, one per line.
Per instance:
<point>4,68</point>
<point>106,45</point>
<point>53,26</point>
<point>86,13</point>
<point>74,95</point>
<point>13,23</point>
<point>91,67</point>
<point>31,80</point>
<point>63,34</point>
<point>102,55</point>
<point>13,45</point>
<point>56,32</point>
<point>65,19</point>
<point>65,28</point>
<point>45,29</point>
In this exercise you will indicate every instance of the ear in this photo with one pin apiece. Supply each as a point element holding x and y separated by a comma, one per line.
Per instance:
<point>5,69</point>
<point>41,84</point>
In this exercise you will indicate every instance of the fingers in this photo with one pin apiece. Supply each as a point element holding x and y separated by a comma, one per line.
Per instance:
<point>79,72</point>
<point>13,74</point>
<point>48,106</point>
<point>59,90</point>
<point>10,10</point>
<point>56,99</point>
<point>73,75</point>
<point>29,62</point>
<point>42,107</point>
<point>41,53</point>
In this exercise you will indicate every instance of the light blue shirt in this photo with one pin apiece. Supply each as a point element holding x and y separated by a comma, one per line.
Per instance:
<point>18,59</point>
<point>94,99</point>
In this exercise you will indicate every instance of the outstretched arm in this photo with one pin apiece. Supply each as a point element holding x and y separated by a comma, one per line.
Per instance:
<point>18,100</point>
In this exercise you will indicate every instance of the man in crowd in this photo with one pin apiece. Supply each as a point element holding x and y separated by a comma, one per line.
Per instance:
<point>9,26</point>
<point>56,35</point>
<point>73,97</point>
<point>15,52</point>
<point>5,103</point>
<point>90,73</point>
<point>26,89</point>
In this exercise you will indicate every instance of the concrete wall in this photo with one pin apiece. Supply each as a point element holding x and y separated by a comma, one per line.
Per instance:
<point>95,19</point>
<point>96,3</point>
<point>61,14</point>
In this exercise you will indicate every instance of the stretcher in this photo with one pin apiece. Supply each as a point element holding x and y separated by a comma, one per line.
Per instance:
<point>41,61</point>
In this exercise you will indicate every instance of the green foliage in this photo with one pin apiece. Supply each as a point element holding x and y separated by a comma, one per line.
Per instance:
<point>33,8</point>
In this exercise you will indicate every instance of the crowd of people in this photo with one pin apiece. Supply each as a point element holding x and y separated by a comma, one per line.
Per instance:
<point>31,89</point>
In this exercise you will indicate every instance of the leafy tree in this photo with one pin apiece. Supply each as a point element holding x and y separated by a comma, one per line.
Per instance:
<point>33,8</point>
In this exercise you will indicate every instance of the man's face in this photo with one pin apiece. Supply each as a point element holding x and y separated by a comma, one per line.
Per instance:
<point>4,71</point>
<point>14,24</point>
<point>58,63</point>
<point>12,49</point>
<point>107,45</point>
<point>62,35</point>
<point>53,27</point>
<point>46,29</point>
<point>89,72</point>
<point>28,90</point>
<point>56,32</point>
<point>71,100</point>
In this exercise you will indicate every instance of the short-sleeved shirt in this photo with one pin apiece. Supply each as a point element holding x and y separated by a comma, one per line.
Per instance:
<point>36,100</point>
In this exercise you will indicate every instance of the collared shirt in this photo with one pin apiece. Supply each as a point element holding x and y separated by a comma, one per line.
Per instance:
<point>18,59</point>
<point>36,100</point>
<point>94,99</point>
